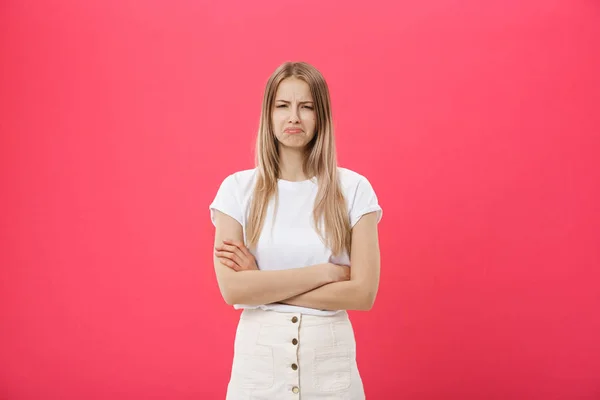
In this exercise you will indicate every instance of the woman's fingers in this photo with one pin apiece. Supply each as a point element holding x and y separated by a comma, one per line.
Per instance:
<point>238,245</point>
<point>239,248</point>
<point>231,256</point>
<point>229,263</point>
<point>237,252</point>
<point>231,248</point>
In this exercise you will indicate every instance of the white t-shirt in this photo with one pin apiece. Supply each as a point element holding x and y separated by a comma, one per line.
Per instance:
<point>291,241</point>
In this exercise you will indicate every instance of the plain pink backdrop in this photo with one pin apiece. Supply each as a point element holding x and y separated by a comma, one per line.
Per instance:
<point>477,123</point>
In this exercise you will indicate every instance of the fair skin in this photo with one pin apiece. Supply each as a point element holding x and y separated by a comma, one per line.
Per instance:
<point>322,286</point>
<point>329,285</point>
<point>241,282</point>
<point>294,109</point>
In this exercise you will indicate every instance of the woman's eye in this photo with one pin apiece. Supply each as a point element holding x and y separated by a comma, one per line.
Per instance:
<point>285,105</point>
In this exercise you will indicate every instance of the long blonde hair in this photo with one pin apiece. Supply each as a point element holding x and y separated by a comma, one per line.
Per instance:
<point>320,161</point>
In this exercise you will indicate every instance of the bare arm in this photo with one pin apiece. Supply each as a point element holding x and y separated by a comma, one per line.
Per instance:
<point>360,291</point>
<point>262,287</point>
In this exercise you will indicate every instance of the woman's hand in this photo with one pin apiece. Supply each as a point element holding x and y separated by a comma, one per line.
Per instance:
<point>337,273</point>
<point>236,256</point>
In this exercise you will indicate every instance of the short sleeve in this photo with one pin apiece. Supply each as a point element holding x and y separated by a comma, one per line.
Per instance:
<point>227,201</point>
<point>365,201</point>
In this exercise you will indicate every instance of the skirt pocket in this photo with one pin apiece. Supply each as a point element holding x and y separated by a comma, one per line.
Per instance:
<point>253,368</point>
<point>332,368</point>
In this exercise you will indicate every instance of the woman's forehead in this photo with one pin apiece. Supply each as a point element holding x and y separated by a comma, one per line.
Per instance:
<point>293,87</point>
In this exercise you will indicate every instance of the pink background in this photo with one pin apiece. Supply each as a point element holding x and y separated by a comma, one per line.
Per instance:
<point>477,123</point>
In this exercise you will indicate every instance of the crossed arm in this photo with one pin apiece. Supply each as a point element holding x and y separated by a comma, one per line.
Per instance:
<point>312,286</point>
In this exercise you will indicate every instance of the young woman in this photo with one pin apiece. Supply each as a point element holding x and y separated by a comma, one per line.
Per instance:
<point>296,245</point>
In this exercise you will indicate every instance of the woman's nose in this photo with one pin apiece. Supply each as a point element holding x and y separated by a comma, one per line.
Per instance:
<point>294,115</point>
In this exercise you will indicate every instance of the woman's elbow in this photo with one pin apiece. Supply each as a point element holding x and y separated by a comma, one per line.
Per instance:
<point>367,300</point>
<point>231,290</point>
<point>236,296</point>
<point>229,294</point>
<point>228,297</point>
<point>364,293</point>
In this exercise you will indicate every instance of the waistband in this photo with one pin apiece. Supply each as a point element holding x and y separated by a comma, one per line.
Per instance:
<point>285,318</point>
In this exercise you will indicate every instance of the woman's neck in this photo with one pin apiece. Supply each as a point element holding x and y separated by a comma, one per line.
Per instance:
<point>291,164</point>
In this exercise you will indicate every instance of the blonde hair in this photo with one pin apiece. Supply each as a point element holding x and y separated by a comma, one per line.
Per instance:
<point>320,161</point>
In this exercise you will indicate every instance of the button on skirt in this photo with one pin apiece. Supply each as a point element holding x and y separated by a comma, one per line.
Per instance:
<point>280,356</point>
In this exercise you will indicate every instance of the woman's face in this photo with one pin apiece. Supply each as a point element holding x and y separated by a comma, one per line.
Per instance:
<point>294,117</point>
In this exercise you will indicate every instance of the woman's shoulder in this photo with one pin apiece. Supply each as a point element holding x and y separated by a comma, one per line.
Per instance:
<point>359,193</point>
<point>354,183</point>
<point>243,180</point>
<point>243,176</point>
<point>240,181</point>
<point>349,178</point>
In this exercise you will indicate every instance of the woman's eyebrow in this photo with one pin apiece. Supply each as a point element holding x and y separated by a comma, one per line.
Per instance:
<point>301,102</point>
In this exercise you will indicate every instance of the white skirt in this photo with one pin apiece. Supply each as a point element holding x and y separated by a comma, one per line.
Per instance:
<point>280,356</point>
